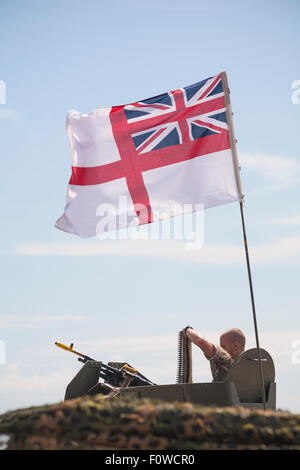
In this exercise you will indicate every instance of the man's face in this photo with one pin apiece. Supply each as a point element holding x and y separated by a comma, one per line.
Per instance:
<point>232,347</point>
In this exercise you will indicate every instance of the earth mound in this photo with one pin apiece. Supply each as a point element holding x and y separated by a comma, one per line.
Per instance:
<point>100,423</point>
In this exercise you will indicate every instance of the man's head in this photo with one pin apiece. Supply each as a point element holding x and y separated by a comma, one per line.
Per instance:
<point>233,341</point>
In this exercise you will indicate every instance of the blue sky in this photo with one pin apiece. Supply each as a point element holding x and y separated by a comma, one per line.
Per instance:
<point>112,299</point>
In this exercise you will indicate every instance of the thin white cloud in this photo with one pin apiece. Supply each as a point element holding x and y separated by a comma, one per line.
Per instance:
<point>282,250</point>
<point>10,114</point>
<point>32,322</point>
<point>280,171</point>
<point>290,221</point>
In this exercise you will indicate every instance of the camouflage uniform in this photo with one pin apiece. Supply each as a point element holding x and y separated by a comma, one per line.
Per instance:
<point>220,363</point>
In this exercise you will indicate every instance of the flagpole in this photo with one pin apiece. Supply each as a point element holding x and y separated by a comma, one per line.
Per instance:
<point>229,114</point>
<point>253,308</point>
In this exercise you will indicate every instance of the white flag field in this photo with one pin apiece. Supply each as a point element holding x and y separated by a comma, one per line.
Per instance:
<point>150,160</point>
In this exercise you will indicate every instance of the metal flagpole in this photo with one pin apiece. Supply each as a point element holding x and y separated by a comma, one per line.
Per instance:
<point>253,309</point>
<point>238,180</point>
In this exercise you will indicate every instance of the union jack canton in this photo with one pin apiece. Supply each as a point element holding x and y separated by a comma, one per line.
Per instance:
<point>166,134</point>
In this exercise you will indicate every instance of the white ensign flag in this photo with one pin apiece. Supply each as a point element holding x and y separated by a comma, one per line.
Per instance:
<point>142,162</point>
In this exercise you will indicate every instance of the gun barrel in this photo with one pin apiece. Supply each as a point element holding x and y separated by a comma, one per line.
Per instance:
<point>70,349</point>
<point>110,374</point>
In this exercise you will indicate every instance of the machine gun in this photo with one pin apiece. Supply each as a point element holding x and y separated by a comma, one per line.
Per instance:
<point>125,376</point>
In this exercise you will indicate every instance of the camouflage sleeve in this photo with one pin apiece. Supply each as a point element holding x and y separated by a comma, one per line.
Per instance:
<point>220,363</point>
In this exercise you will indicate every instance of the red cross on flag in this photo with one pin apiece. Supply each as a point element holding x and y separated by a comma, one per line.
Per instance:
<point>141,162</point>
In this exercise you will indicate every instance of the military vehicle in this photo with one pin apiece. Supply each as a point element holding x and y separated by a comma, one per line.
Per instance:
<point>241,387</point>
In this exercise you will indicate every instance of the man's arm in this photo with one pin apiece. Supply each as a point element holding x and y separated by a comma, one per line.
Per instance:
<point>207,347</point>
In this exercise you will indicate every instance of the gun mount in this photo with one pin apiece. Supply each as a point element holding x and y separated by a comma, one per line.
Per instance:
<point>241,388</point>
